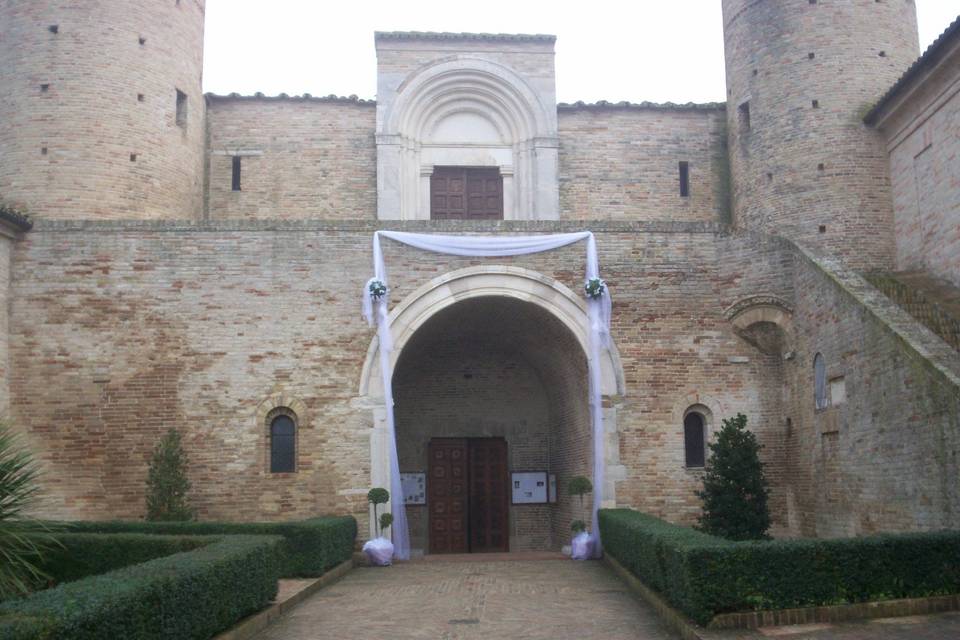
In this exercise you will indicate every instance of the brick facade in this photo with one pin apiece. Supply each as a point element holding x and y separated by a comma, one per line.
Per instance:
<point>166,298</point>
<point>920,121</point>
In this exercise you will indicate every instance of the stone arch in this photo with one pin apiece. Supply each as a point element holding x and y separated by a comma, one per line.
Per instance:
<point>414,311</point>
<point>502,121</point>
<point>765,321</point>
<point>485,281</point>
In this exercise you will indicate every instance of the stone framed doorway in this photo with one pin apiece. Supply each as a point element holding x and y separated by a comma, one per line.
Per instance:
<point>552,303</point>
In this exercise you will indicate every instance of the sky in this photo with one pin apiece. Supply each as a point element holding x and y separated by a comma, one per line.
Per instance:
<point>636,51</point>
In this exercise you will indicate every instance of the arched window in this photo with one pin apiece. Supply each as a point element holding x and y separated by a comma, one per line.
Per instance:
<point>694,431</point>
<point>819,382</point>
<point>283,444</point>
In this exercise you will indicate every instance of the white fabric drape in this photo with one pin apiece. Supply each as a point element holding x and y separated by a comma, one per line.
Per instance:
<point>375,311</point>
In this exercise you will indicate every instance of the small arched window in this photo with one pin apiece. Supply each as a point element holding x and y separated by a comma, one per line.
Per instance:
<point>694,431</point>
<point>283,444</point>
<point>819,382</point>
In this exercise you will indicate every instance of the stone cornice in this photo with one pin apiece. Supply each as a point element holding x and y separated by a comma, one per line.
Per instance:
<point>369,226</point>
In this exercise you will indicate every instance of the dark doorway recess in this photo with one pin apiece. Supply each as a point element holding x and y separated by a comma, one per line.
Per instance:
<point>466,193</point>
<point>467,487</point>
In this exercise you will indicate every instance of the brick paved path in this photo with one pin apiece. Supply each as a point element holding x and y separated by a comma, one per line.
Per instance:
<point>529,599</point>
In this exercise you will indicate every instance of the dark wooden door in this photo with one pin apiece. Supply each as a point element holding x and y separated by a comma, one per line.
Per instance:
<point>489,502</point>
<point>466,193</point>
<point>447,495</point>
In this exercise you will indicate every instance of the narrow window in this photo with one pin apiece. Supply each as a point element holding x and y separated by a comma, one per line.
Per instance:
<point>181,109</point>
<point>744,112</point>
<point>819,382</point>
<point>283,446</point>
<point>684,178</point>
<point>693,439</point>
<point>236,173</point>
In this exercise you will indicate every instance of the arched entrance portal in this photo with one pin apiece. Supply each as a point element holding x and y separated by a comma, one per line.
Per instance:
<point>505,383</point>
<point>495,354</point>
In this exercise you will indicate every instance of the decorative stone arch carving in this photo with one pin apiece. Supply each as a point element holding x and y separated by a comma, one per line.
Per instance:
<point>485,281</point>
<point>462,110</point>
<point>748,316</point>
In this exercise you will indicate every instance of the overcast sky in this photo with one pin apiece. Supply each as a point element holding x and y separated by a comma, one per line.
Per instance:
<point>636,51</point>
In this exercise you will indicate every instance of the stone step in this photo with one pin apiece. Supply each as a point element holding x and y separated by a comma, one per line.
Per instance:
<point>932,301</point>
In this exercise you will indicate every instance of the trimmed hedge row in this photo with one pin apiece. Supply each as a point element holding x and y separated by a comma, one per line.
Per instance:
<point>311,547</point>
<point>190,595</point>
<point>87,554</point>
<point>704,576</point>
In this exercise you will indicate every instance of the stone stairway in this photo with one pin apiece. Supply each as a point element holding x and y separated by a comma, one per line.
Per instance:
<point>932,301</point>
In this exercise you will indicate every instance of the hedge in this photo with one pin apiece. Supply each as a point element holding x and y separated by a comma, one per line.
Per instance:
<point>87,554</point>
<point>189,595</point>
<point>311,547</point>
<point>703,576</point>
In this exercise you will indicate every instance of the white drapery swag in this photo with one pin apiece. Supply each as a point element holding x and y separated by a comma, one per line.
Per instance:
<point>375,311</point>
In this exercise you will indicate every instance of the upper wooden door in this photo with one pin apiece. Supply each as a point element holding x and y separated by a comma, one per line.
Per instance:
<point>447,495</point>
<point>489,500</point>
<point>466,193</point>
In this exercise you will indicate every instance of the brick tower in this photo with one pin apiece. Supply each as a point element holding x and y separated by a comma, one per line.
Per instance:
<point>101,110</point>
<point>800,76</point>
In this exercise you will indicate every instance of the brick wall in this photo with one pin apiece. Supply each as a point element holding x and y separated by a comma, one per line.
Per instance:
<point>886,458</point>
<point>6,252</point>
<point>88,114</point>
<point>922,132</point>
<point>300,158</point>
<point>814,173</point>
<point>622,163</point>
<point>121,330</point>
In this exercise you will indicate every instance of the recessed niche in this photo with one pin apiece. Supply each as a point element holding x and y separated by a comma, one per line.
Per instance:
<point>44,88</point>
<point>815,104</point>
<point>822,228</point>
<point>54,28</point>
<point>133,157</point>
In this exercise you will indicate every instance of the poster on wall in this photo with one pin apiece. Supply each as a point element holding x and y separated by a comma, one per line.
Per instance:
<point>529,487</point>
<point>552,488</point>
<point>414,487</point>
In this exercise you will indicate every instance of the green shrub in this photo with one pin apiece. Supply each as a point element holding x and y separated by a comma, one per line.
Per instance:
<point>703,575</point>
<point>190,595</point>
<point>310,548</point>
<point>167,483</point>
<point>735,488</point>
<point>88,554</point>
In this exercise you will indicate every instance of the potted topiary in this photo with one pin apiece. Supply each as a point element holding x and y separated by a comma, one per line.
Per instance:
<point>581,547</point>
<point>379,551</point>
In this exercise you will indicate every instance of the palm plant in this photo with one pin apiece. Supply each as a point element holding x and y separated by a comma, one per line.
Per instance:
<point>23,540</point>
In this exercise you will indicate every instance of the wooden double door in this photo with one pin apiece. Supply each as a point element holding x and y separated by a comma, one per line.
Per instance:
<point>468,495</point>
<point>466,193</point>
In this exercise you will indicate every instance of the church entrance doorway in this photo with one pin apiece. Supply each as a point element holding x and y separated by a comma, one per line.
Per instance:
<point>467,495</point>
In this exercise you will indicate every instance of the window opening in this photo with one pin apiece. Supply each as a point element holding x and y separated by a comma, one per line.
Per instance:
<point>235,180</point>
<point>283,435</point>
<point>694,428</point>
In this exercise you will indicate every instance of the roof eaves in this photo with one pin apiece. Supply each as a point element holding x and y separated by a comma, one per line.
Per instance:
<point>928,59</point>
<point>306,97</point>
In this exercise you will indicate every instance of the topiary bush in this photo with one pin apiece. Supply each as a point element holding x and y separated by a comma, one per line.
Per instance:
<point>310,547</point>
<point>735,488</point>
<point>190,595</point>
<point>377,496</point>
<point>703,575</point>
<point>167,483</point>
